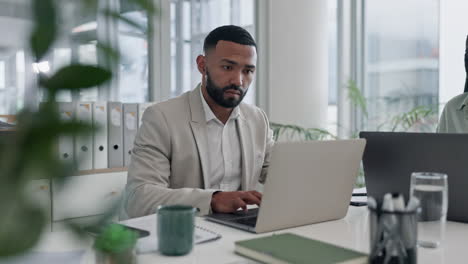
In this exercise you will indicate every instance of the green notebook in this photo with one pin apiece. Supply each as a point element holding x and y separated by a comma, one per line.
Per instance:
<point>293,249</point>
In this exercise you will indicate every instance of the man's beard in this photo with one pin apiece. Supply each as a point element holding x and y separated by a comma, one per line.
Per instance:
<point>217,94</point>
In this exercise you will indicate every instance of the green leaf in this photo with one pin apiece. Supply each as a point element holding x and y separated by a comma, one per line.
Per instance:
<point>294,132</point>
<point>76,76</point>
<point>45,28</point>
<point>115,238</point>
<point>22,226</point>
<point>407,120</point>
<point>322,133</point>
<point>356,97</point>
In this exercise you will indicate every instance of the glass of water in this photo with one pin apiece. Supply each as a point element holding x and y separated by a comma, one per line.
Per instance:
<point>432,191</point>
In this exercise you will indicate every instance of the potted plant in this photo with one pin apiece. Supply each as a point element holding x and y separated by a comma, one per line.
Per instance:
<point>115,245</point>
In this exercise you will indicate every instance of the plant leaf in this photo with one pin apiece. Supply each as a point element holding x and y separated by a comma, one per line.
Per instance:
<point>294,132</point>
<point>76,76</point>
<point>45,30</point>
<point>356,97</point>
<point>22,225</point>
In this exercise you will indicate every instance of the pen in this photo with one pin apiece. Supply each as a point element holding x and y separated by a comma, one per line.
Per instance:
<point>410,225</point>
<point>399,246</point>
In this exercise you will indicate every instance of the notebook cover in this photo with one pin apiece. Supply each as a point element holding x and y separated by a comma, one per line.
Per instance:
<point>291,248</point>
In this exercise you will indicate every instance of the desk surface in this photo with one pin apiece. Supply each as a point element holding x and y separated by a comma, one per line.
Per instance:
<point>350,232</point>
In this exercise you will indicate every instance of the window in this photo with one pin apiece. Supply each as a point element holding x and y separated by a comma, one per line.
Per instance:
<point>133,47</point>
<point>332,112</point>
<point>401,68</point>
<point>191,21</point>
<point>130,82</point>
<point>13,69</point>
<point>17,72</point>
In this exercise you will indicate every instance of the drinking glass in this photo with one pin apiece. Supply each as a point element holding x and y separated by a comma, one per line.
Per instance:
<point>432,191</point>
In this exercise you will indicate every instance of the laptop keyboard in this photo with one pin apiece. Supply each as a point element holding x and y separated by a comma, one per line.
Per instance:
<point>249,221</point>
<point>248,218</point>
<point>250,213</point>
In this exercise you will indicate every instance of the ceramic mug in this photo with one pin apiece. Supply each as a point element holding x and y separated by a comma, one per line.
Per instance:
<point>175,227</point>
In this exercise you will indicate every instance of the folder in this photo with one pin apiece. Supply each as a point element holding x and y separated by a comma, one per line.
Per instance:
<point>65,143</point>
<point>130,118</point>
<point>115,135</point>
<point>141,109</point>
<point>100,135</point>
<point>84,143</point>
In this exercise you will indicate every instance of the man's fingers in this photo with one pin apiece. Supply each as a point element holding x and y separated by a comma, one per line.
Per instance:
<point>239,203</point>
<point>250,198</point>
<point>256,194</point>
<point>227,202</point>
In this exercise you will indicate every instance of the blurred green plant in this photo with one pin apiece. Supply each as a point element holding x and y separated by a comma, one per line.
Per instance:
<point>356,97</point>
<point>115,239</point>
<point>115,244</point>
<point>293,132</point>
<point>30,152</point>
<point>407,120</point>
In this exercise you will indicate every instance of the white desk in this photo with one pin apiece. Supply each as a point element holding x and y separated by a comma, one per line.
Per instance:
<point>350,232</point>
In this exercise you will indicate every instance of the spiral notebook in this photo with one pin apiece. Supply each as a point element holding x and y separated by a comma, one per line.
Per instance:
<point>149,244</point>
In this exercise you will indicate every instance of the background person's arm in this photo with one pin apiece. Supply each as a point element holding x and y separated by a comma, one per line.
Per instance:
<point>442,126</point>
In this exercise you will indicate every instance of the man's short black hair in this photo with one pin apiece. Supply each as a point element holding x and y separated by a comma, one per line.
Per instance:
<point>228,33</point>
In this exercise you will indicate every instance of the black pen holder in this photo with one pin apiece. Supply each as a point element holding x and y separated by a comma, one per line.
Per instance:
<point>393,236</point>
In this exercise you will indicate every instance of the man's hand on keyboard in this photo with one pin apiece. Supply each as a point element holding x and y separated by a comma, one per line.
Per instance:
<point>228,202</point>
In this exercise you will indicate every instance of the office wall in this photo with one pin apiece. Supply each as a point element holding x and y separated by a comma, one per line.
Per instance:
<point>17,31</point>
<point>298,57</point>
<point>453,32</point>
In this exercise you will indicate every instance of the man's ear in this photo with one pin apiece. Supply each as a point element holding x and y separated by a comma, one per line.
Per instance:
<point>201,64</point>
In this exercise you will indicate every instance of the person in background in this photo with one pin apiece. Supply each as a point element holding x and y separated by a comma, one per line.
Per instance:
<point>204,148</point>
<point>454,118</point>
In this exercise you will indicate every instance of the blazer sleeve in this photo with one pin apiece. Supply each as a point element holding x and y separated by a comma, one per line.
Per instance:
<point>269,142</point>
<point>148,183</point>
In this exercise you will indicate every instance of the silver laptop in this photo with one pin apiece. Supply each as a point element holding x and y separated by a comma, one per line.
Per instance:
<point>308,182</point>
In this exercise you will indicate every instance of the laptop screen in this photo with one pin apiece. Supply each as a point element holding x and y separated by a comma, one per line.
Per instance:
<point>391,157</point>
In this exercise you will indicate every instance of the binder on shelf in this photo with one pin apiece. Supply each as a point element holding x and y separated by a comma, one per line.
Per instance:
<point>130,118</point>
<point>84,144</point>
<point>100,135</point>
<point>65,143</point>
<point>141,109</point>
<point>115,134</point>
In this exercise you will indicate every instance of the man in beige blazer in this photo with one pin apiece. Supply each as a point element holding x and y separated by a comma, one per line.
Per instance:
<point>204,148</point>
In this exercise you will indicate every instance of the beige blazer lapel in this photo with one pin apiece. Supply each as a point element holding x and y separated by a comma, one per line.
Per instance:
<point>246,145</point>
<point>198,126</point>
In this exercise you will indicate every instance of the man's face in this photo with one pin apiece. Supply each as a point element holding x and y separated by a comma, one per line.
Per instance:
<point>224,96</point>
<point>229,70</point>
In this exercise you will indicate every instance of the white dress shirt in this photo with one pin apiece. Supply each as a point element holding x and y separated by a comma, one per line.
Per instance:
<point>224,153</point>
